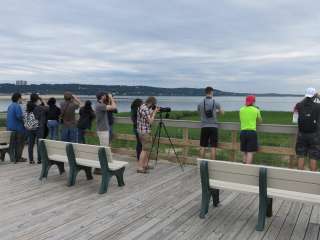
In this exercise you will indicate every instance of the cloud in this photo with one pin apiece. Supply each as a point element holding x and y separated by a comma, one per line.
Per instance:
<point>234,45</point>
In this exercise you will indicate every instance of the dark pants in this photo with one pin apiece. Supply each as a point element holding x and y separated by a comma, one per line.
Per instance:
<point>32,139</point>
<point>139,144</point>
<point>81,134</point>
<point>17,141</point>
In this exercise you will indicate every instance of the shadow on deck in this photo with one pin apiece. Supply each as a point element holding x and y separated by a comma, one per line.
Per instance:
<point>161,205</point>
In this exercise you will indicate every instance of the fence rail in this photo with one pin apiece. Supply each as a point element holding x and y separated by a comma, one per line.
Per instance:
<point>185,142</point>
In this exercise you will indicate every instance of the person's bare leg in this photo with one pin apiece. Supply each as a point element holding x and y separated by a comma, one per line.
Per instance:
<point>244,157</point>
<point>313,165</point>
<point>249,157</point>
<point>213,153</point>
<point>142,160</point>
<point>202,152</point>
<point>301,163</point>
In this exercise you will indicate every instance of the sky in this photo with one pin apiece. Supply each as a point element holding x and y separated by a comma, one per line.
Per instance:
<point>232,45</point>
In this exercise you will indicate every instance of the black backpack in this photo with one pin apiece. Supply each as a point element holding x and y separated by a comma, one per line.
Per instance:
<point>208,112</point>
<point>308,117</point>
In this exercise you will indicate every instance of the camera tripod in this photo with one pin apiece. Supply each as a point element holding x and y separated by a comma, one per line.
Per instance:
<point>156,142</point>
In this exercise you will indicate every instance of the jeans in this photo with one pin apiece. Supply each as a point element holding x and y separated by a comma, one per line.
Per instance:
<point>17,141</point>
<point>69,134</point>
<point>81,133</point>
<point>139,144</point>
<point>53,126</point>
<point>32,139</point>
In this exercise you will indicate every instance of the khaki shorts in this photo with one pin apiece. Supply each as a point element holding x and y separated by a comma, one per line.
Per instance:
<point>146,141</point>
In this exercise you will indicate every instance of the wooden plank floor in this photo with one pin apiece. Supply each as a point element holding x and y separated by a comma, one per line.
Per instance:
<point>161,205</point>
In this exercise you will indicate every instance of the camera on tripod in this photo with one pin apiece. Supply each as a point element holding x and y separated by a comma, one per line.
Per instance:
<point>164,109</point>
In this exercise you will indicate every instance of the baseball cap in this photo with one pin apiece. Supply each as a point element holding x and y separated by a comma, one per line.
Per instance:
<point>250,100</point>
<point>310,92</point>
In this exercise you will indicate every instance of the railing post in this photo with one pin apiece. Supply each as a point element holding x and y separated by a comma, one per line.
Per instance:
<point>234,136</point>
<point>185,136</point>
<point>293,158</point>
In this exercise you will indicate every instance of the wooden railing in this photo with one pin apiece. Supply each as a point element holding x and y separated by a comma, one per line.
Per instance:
<point>185,142</point>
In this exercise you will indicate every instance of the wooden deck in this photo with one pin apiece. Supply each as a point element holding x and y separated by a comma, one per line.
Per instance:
<point>161,205</point>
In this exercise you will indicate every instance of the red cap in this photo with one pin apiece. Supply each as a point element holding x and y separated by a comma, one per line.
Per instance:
<point>250,100</point>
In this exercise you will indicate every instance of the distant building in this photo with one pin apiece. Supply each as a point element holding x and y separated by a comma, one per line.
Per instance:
<point>21,83</point>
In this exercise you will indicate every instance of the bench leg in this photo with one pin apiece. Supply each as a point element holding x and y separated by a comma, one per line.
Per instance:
<point>215,193</point>
<point>73,172</point>
<point>105,178</point>
<point>119,175</point>
<point>88,171</point>
<point>269,207</point>
<point>263,199</point>
<point>2,155</point>
<point>60,166</point>
<point>204,204</point>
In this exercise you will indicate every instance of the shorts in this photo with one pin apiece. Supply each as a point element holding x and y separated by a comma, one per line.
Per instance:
<point>146,141</point>
<point>248,141</point>
<point>308,145</point>
<point>209,137</point>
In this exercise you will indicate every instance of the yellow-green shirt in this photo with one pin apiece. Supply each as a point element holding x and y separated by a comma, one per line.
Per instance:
<point>248,117</point>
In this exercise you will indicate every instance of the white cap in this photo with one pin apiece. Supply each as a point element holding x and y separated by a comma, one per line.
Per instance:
<point>310,92</point>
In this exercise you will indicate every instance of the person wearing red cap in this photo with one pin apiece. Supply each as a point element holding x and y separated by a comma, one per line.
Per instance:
<point>249,116</point>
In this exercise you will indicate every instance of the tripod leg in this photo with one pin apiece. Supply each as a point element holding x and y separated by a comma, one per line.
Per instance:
<point>172,146</point>
<point>153,142</point>
<point>158,144</point>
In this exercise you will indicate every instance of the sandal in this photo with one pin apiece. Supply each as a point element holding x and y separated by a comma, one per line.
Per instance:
<point>31,162</point>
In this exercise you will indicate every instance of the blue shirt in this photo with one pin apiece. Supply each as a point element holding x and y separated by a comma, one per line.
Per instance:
<point>15,118</point>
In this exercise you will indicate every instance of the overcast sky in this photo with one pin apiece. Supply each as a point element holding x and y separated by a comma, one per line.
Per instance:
<point>233,45</point>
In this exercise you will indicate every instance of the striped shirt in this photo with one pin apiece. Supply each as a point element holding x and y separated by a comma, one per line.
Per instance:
<point>144,113</point>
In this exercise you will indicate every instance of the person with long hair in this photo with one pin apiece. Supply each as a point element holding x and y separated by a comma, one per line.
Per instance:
<point>85,121</point>
<point>53,117</point>
<point>31,124</point>
<point>134,115</point>
<point>40,110</point>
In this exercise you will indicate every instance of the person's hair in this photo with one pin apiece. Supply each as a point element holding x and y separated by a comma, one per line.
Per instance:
<point>88,105</point>
<point>208,90</point>
<point>151,100</point>
<point>15,97</point>
<point>30,106</point>
<point>34,97</point>
<point>52,102</point>
<point>136,104</point>
<point>67,96</point>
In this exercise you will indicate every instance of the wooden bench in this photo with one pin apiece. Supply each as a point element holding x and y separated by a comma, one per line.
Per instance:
<point>81,157</point>
<point>266,181</point>
<point>4,143</point>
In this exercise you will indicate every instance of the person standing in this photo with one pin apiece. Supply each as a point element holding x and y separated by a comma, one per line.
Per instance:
<point>32,125</point>
<point>208,109</point>
<point>102,117</point>
<point>249,116</point>
<point>145,117</point>
<point>85,121</point>
<point>136,104</point>
<point>68,117</point>
<point>15,125</point>
<point>53,117</point>
<point>308,140</point>
<point>39,110</point>
<point>110,117</point>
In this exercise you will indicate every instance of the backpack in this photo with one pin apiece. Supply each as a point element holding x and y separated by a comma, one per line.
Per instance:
<point>308,117</point>
<point>208,112</point>
<point>30,121</point>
